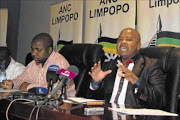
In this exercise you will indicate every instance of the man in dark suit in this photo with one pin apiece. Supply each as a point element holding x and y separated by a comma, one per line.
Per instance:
<point>130,79</point>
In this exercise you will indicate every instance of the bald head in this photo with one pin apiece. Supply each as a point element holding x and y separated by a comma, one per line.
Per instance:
<point>128,43</point>
<point>132,31</point>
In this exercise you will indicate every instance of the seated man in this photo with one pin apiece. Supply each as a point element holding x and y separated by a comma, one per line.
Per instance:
<point>12,68</point>
<point>130,79</point>
<point>35,73</point>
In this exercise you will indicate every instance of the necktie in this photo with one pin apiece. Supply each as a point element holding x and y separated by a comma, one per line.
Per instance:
<point>121,83</point>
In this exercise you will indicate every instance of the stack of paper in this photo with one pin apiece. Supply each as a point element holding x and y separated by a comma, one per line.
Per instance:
<point>80,100</point>
<point>143,111</point>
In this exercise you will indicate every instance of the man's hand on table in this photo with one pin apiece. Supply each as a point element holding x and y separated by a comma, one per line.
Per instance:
<point>7,84</point>
<point>24,86</point>
<point>5,94</point>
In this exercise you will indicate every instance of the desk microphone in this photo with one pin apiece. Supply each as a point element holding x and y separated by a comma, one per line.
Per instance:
<point>66,76</point>
<point>51,76</point>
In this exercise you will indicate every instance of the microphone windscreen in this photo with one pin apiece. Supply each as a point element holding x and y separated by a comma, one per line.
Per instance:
<point>38,90</point>
<point>53,68</point>
<point>74,69</point>
<point>71,72</point>
<point>51,75</point>
<point>67,76</point>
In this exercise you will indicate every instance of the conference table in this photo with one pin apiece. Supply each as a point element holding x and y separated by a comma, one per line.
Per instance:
<point>23,110</point>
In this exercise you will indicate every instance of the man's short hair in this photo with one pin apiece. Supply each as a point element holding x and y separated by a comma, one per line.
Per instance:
<point>45,38</point>
<point>5,52</point>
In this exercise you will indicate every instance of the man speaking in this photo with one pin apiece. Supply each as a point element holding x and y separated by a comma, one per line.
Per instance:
<point>131,79</point>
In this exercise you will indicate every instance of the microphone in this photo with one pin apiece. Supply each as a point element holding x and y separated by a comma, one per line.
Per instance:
<point>66,76</point>
<point>38,90</point>
<point>51,76</point>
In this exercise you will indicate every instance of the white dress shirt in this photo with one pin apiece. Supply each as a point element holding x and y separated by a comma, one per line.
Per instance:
<point>122,95</point>
<point>14,69</point>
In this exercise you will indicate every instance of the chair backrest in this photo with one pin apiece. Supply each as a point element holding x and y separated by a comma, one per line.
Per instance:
<point>29,58</point>
<point>83,56</point>
<point>170,59</point>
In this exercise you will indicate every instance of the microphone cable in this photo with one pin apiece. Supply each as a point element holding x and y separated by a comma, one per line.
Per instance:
<point>38,106</point>
<point>37,112</point>
<point>28,101</point>
<point>32,112</point>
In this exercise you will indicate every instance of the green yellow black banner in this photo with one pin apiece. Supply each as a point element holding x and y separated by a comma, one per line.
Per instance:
<point>166,38</point>
<point>109,44</point>
<point>62,43</point>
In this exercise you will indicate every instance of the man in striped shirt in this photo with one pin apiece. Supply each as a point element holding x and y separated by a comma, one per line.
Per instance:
<point>34,74</point>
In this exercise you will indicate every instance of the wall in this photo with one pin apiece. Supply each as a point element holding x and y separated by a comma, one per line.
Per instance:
<point>12,25</point>
<point>34,19</point>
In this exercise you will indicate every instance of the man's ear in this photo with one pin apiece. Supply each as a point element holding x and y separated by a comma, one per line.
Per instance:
<point>50,50</point>
<point>139,46</point>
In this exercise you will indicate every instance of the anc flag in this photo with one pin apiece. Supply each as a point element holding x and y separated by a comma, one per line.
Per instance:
<point>109,44</point>
<point>166,38</point>
<point>62,43</point>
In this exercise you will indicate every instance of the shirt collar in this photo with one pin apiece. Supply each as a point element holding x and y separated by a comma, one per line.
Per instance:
<point>47,61</point>
<point>133,59</point>
<point>136,57</point>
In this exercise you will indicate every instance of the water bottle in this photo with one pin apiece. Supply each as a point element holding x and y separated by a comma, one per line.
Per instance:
<point>2,73</point>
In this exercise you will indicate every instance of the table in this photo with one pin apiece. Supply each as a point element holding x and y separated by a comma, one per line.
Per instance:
<point>21,111</point>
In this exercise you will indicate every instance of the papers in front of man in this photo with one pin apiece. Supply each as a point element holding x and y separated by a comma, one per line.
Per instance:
<point>144,111</point>
<point>11,90</point>
<point>80,100</point>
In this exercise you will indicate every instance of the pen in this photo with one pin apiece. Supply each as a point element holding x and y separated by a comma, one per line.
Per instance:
<point>94,103</point>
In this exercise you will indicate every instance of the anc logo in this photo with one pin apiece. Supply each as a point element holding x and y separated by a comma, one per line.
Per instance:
<point>60,43</point>
<point>165,38</point>
<point>109,46</point>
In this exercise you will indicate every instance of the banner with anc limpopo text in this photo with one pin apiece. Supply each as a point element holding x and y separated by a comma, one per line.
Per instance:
<point>66,23</point>
<point>3,26</point>
<point>104,21</point>
<point>158,22</point>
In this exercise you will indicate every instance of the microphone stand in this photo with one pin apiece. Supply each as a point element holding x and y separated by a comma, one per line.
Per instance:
<point>62,96</point>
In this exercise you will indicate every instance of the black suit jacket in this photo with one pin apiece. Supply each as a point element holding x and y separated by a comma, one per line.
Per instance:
<point>151,92</point>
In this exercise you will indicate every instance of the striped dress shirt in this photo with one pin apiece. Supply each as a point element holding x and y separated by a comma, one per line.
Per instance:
<point>35,74</point>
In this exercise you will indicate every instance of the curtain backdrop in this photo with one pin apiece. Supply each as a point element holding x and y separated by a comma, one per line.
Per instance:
<point>159,22</point>
<point>105,20</point>
<point>3,26</point>
<point>66,23</point>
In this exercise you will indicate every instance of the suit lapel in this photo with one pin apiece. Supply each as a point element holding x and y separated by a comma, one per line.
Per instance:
<point>138,67</point>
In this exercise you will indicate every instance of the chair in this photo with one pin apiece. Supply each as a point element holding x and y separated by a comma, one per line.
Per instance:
<point>29,58</point>
<point>83,56</point>
<point>170,59</point>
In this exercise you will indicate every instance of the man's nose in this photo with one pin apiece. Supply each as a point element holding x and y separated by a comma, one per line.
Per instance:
<point>123,40</point>
<point>33,53</point>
